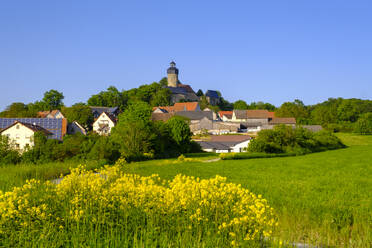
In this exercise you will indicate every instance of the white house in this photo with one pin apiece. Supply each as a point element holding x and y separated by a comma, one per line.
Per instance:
<point>104,123</point>
<point>21,135</point>
<point>51,114</point>
<point>225,143</point>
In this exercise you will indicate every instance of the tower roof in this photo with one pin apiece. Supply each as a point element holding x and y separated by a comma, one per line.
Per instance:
<point>172,69</point>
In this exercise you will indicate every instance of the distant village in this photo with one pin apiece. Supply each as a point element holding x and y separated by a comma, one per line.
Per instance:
<point>218,126</point>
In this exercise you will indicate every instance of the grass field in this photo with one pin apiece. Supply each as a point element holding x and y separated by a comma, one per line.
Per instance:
<point>16,175</point>
<point>321,198</point>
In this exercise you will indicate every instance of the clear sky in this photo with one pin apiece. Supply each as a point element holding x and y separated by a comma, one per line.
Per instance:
<point>272,51</point>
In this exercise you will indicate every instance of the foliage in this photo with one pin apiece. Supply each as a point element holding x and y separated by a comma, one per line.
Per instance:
<point>53,99</point>
<point>295,109</point>
<point>79,112</point>
<point>133,132</point>
<point>112,97</point>
<point>364,124</point>
<point>99,207</point>
<point>7,154</point>
<point>200,93</point>
<point>261,105</point>
<point>241,105</point>
<point>285,139</point>
<point>180,133</point>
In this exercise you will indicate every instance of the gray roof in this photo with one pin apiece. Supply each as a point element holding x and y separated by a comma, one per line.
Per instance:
<point>196,115</point>
<point>177,90</point>
<point>50,124</point>
<point>213,145</point>
<point>172,69</point>
<point>212,93</point>
<point>97,111</point>
<point>240,114</point>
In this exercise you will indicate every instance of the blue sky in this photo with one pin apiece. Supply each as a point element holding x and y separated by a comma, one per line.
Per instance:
<point>272,51</point>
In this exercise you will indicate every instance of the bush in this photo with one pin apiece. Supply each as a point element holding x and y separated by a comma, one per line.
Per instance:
<point>116,208</point>
<point>285,139</point>
<point>364,124</point>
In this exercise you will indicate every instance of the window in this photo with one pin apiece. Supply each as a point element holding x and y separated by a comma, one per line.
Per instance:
<point>17,136</point>
<point>17,145</point>
<point>17,127</point>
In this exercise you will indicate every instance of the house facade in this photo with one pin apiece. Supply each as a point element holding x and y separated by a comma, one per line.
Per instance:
<point>56,126</point>
<point>225,143</point>
<point>21,135</point>
<point>57,114</point>
<point>104,123</point>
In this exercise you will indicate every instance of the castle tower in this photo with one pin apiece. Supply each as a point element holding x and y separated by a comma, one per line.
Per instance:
<point>172,75</point>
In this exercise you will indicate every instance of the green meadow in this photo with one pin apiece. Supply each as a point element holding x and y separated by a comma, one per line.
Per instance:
<point>321,199</point>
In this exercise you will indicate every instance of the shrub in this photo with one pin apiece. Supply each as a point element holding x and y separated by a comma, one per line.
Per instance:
<point>364,124</point>
<point>285,139</point>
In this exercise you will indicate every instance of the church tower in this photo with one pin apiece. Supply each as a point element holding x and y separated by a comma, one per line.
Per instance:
<point>172,75</point>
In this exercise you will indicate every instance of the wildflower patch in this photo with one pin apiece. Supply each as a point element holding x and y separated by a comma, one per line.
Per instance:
<point>135,209</point>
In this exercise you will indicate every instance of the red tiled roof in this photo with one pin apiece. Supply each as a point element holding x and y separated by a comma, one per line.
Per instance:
<point>179,106</point>
<point>186,106</point>
<point>271,114</point>
<point>228,114</point>
<point>44,114</point>
<point>161,116</point>
<point>230,138</point>
<point>257,113</point>
<point>277,120</point>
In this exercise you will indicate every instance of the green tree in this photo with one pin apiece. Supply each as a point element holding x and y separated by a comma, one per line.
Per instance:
<point>161,98</point>
<point>53,99</point>
<point>295,109</point>
<point>133,132</point>
<point>180,133</point>
<point>16,109</point>
<point>112,97</point>
<point>164,81</point>
<point>261,105</point>
<point>200,93</point>
<point>79,112</point>
<point>364,124</point>
<point>241,105</point>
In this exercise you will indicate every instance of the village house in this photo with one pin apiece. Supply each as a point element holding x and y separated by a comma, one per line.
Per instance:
<point>104,123</point>
<point>21,135</point>
<point>97,111</point>
<point>74,128</point>
<point>212,97</point>
<point>225,115</point>
<point>225,143</point>
<point>179,106</point>
<point>50,114</point>
<point>56,126</point>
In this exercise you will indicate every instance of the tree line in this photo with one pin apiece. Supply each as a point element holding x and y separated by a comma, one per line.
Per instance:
<point>134,138</point>
<point>334,114</point>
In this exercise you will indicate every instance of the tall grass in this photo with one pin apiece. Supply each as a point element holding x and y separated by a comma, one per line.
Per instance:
<point>322,198</point>
<point>16,175</point>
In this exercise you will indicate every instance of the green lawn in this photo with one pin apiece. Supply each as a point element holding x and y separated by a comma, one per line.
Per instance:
<point>321,198</point>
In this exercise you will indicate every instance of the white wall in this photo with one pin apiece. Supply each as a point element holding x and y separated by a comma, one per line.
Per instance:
<point>239,147</point>
<point>103,119</point>
<point>20,136</point>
